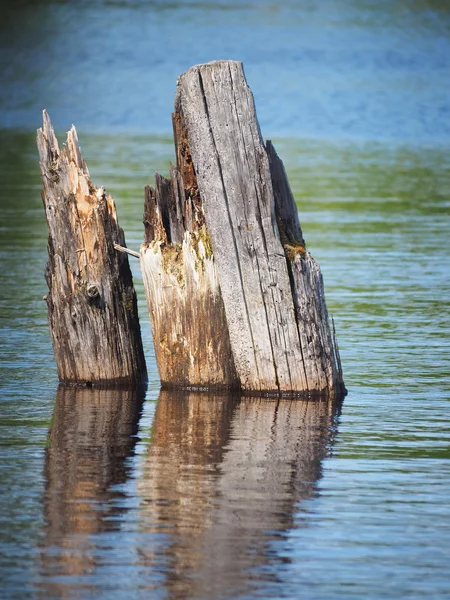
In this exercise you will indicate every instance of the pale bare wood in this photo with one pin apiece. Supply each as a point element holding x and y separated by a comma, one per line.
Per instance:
<point>126,250</point>
<point>92,306</point>
<point>186,310</point>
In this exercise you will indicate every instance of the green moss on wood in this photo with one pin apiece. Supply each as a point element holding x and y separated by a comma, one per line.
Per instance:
<point>293,250</point>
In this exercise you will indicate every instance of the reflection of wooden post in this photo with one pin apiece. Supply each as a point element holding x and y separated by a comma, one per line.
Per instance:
<point>235,298</point>
<point>222,479</point>
<point>91,302</point>
<point>93,432</point>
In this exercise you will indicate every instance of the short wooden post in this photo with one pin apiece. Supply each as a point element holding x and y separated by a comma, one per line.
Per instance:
<point>235,298</point>
<point>91,302</point>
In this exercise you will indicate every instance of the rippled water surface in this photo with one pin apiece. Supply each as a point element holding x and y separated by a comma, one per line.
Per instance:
<point>107,494</point>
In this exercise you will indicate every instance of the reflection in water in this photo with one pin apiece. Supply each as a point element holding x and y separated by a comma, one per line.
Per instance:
<point>221,481</point>
<point>92,434</point>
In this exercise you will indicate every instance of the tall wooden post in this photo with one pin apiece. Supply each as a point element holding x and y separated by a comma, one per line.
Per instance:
<point>235,298</point>
<point>92,306</point>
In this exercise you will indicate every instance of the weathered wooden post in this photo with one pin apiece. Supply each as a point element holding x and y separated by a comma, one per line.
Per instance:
<point>235,299</point>
<point>91,302</point>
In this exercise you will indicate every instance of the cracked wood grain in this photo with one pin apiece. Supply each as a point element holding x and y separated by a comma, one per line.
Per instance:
<point>251,218</point>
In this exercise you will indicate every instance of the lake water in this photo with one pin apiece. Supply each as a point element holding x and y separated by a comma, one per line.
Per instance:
<point>112,495</point>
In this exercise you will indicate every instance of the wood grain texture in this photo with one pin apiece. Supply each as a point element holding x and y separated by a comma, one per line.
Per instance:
<point>92,306</point>
<point>271,288</point>
<point>234,182</point>
<point>320,353</point>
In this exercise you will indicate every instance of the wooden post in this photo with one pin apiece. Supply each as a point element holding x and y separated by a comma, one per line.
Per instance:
<point>92,306</point>
<point>235,298</point>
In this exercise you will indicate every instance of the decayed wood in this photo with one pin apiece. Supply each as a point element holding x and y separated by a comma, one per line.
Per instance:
<point>320,353</point>
<point>92,306</point>
<point>237,197</point>
<point>187,316</point>
<point>186,310</point>
<point>233,177</point>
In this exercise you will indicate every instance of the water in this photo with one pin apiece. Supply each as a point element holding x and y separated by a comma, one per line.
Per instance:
<point>137,495</point>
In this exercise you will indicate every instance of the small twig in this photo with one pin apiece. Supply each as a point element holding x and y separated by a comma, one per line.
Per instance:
<point>127,251</point>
